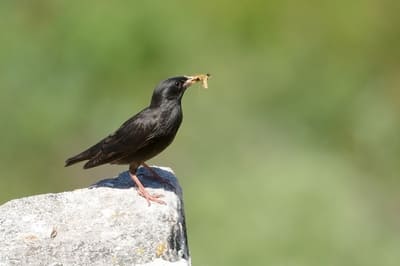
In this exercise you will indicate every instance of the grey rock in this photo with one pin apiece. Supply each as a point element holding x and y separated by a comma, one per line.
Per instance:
<point>106,224</point>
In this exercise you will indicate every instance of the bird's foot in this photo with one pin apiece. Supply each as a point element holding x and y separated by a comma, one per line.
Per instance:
<point>144,193</point>
<point>158,178</point>
<point>151,197</point>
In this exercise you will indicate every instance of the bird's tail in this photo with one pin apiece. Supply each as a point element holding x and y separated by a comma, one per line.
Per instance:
<point>75,159</point>
<point>83,156</point>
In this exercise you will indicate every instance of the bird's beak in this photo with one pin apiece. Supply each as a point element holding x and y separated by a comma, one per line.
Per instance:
<point>193,79</point>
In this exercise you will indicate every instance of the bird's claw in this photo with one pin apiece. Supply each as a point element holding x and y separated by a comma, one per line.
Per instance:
<point>151,197</point>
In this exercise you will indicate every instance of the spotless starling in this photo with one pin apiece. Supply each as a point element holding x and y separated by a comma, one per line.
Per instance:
<point>144,135</point>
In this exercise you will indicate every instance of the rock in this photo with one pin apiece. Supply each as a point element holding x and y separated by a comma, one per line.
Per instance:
<point>106,224</point>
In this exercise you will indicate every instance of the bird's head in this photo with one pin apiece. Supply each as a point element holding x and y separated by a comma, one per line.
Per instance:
<point>172,89</point>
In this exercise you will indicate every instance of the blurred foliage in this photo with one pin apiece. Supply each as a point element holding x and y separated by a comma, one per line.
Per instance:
<point>290,158</point>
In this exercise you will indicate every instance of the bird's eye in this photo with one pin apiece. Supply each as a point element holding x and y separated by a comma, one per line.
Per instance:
<point>178,84</point>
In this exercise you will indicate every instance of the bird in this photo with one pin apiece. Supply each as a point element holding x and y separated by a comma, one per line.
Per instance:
<point>144,135</point>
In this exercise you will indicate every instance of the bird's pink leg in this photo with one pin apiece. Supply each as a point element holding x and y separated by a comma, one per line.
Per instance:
<point>143,192</point>
<point>157,177</point>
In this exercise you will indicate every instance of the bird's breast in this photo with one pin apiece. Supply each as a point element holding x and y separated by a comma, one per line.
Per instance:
<point>170,120</point>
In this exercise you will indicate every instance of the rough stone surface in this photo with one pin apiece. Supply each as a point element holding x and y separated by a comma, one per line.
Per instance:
<point>106,224</point>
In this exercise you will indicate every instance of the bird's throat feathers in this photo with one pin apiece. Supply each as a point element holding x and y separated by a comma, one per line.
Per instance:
<point>158,101</point>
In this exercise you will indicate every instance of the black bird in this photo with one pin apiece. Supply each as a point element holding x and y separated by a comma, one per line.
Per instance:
<point>144,135</point>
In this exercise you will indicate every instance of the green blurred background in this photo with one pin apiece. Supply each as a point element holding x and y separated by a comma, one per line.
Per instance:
<point>291,157</point>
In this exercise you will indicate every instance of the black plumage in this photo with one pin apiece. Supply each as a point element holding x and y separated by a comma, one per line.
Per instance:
<point>144,135</point>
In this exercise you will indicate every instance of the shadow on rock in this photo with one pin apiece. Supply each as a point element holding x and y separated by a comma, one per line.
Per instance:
<point>124,181</point>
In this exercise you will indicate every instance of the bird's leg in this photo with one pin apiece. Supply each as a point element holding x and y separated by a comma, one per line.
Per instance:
<point>143,192</point>
<point>157,177</point>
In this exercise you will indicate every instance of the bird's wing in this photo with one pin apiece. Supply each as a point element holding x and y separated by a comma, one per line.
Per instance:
<point>134,134</point>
